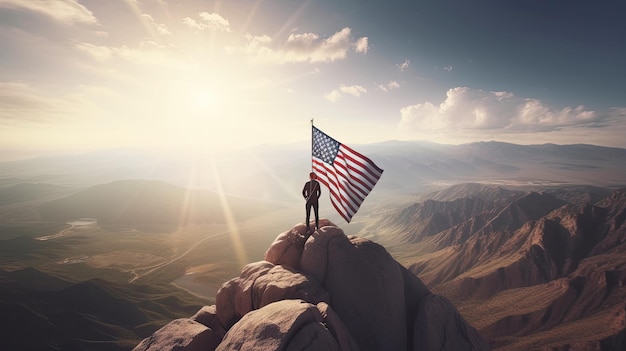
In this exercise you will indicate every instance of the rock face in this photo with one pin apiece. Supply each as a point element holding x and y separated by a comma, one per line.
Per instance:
<point>326,291</point>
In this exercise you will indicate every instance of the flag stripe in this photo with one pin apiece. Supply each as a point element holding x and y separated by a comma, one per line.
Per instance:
<point>337,190</point>
<point>364,184</point>
<point>363,163</point>
<point>335,197</point>
<point>358,169</point>
<point>348,175</point>
<point>345,173</point>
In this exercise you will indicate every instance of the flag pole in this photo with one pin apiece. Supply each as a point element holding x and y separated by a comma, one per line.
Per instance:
<point>311,144</point>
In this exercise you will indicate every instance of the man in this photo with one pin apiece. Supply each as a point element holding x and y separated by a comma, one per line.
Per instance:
<point>311,193</point>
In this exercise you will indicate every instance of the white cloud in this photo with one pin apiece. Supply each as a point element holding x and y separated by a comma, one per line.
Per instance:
<point>389,86</point>
<point>479,110</point>
<point>448,68</point>
<point>208,21</point>
<point>215,21</point>
<point>21,104</point>
<point>362,45</point>
<point>160,27</point>
<point>354,90</point>
<point>148,52</point>
<point>404,65</point>
<point>192,23</point>
<point>70,11</point>
<point>98,52</point>
<point>333,95</point>
<point>303,47</point>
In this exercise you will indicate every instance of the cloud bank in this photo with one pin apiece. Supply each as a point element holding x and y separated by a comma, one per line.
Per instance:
<point>69,11</point>
<point>475,109</point>
<point>208,21</point>
<point>354,90</point>
<point>469,115</point>
<point>303,47</point>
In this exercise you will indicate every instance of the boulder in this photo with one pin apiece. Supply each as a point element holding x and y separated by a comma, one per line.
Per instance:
<point>365,284</point>
<point>276,325</point>
<point>325,291</point>
<point>181,335</point>
<point>207,316</point>
<point>283,282</point>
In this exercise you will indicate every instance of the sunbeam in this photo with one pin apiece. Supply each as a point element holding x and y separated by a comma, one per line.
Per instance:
<point>289,23</point>
<point>134,6</point>
<point>250,17</point>
<point>188,205</point>
<point>235,236</point>
<point>280,182</point>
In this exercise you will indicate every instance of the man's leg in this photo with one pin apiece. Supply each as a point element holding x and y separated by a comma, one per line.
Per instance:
<point>316,207</point>
<point>308,215</point>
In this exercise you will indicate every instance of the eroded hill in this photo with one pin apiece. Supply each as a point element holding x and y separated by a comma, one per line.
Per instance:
<point>541,269</point>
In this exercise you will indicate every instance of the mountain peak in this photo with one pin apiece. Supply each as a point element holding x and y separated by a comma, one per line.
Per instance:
<point>324,291</point>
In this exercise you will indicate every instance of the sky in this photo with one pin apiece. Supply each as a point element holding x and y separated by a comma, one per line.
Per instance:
<point>81,75</point>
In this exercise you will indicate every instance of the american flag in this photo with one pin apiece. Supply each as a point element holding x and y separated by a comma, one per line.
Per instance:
<point>348,175</point>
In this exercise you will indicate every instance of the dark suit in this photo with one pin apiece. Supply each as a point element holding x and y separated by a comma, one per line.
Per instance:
<point>311,193</point>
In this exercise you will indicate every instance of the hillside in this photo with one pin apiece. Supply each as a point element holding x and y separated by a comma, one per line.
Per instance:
<point>541,269</point>
<point>150,202</point>
<point>41,311</point>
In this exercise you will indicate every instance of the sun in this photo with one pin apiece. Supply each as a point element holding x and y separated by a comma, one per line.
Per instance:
<point>203,99</point>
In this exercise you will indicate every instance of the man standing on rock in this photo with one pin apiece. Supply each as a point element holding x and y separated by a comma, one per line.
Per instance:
<point>311,193</point>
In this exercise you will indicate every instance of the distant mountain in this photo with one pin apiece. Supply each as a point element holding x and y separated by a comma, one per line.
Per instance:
<point>539,269</point>
<point>417,165</point>
<point>485,193</point>
<point>151,202</point>
<point>90,315</point>
<point>276,172</point>
<point>30,191</point>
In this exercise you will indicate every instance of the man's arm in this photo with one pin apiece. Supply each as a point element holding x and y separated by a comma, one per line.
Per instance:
<point>304,190</point>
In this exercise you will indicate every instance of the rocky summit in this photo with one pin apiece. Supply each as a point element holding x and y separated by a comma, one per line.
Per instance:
<point>326,291</point>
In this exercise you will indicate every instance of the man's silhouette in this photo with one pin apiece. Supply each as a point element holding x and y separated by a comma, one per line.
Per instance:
<point>311,193</point>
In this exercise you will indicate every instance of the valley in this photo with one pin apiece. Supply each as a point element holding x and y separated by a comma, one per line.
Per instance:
<point>165,271</point>
<point>526,241</point>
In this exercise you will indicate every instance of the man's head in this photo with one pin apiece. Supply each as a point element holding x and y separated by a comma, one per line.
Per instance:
<point>312,175</point>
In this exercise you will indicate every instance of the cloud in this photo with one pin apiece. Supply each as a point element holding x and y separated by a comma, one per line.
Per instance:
<point>466,109</point>
<point>404,65</point>
<point>68,11</point>
<point>389,86</point>
<point>303,47</point>
<point>160,27</point>
<point>362,45</point>
<point>448,68</point>
<point>208,21</point>
<point>22,104</point>
<point>147,53</point>
<point>354,90</point>
<point>333,95</point>
<point>98,52</point>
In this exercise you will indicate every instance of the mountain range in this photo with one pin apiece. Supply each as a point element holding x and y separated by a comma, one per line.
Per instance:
<point>277,172</point>
<point>526,268</point>
<point>528,242</point>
